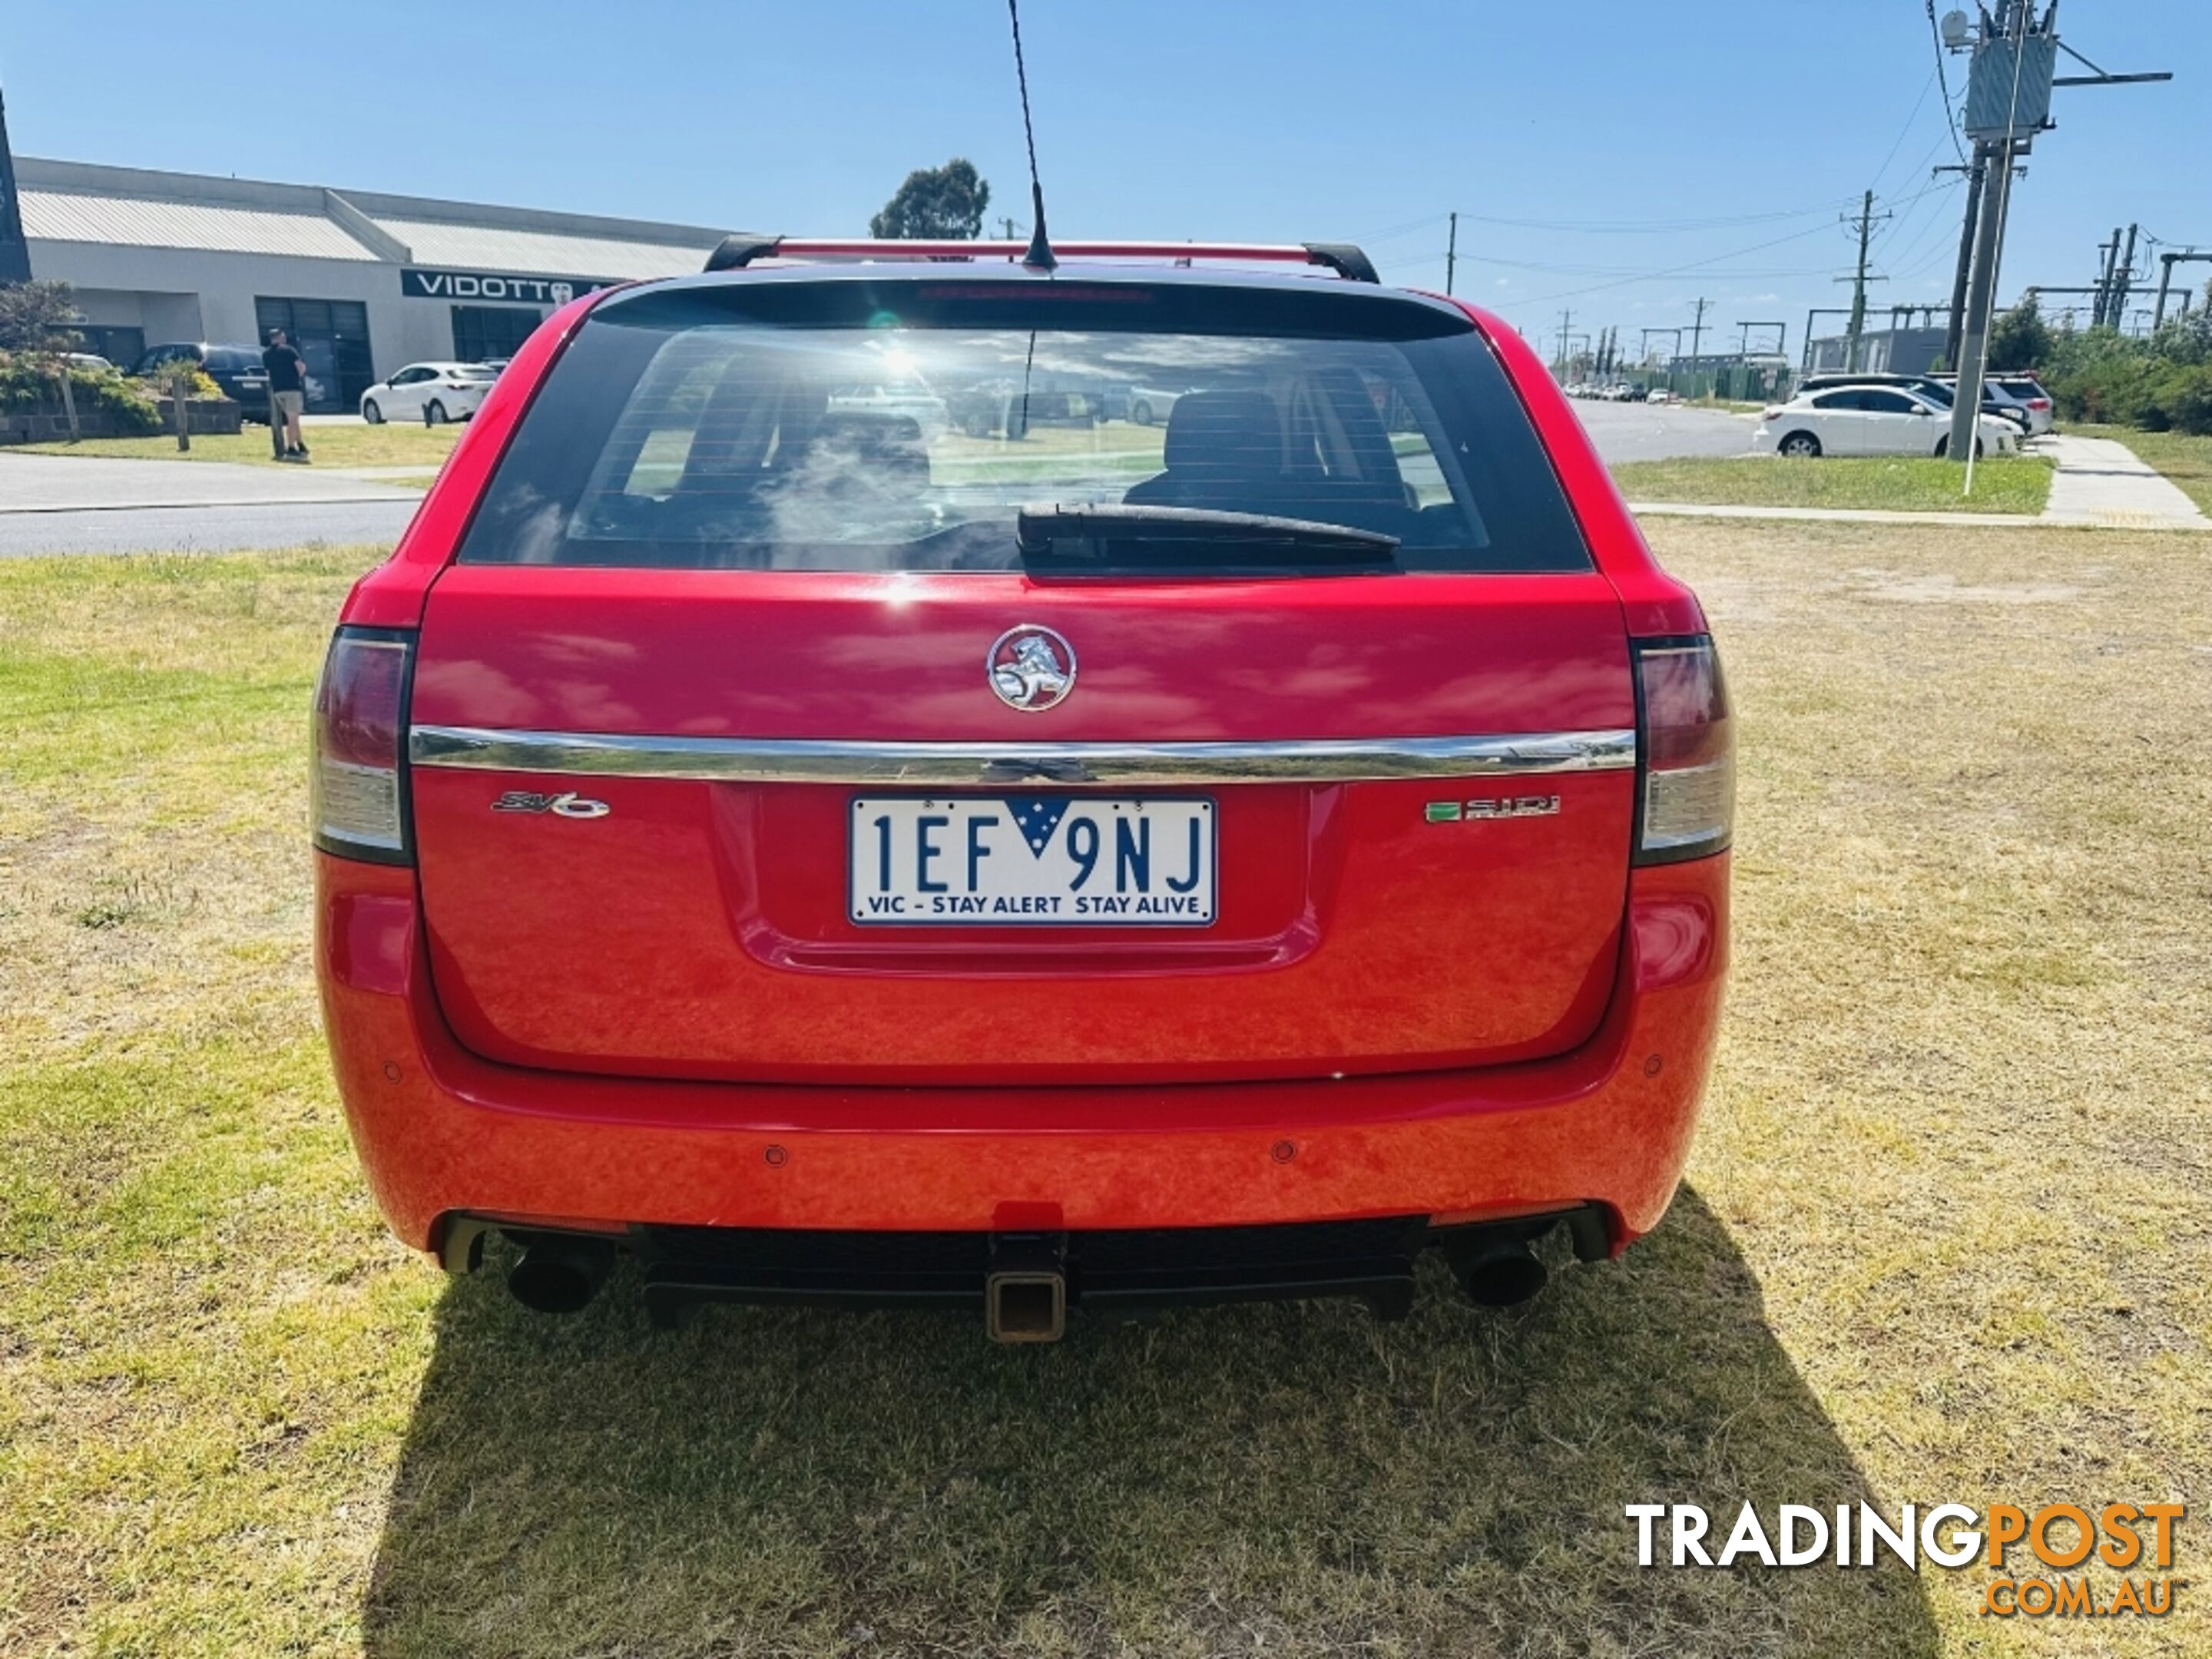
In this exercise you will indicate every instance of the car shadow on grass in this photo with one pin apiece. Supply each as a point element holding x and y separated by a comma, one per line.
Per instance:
<point>1288,1478</point>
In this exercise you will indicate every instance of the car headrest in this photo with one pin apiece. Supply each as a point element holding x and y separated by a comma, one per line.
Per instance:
<point>1224,432</point>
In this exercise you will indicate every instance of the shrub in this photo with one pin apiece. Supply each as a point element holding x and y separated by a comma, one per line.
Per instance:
<point>27,381</point>
<point>2160,384</point>
<point>37,316</point>
<point>2182,398</point>
<point>163,381</point>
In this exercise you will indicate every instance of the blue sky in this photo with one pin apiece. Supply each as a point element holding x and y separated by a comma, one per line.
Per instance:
<point>1619,157</point>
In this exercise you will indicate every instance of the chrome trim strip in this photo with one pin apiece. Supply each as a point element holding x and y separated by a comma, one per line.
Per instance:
<point>769,760</point>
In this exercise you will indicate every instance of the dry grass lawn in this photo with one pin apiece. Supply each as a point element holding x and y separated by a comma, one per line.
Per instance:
<point>1947,1235</point>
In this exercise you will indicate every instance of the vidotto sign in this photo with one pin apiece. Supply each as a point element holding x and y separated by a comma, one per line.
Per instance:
<point>496,287</point>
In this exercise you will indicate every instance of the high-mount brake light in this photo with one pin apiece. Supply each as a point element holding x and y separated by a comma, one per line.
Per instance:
<point>1686,804</point>
<point>358,786</point>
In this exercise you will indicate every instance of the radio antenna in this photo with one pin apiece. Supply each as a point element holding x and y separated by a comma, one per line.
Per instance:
<point>1040,255</point>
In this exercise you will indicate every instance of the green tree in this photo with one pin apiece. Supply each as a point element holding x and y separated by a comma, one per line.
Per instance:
<point>39,316</point>
<point>2020,339</point>
<point>936,204</point>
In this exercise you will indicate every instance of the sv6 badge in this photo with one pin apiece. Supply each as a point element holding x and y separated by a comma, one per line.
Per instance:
<point>1512,807</point>
<point>568,805</point>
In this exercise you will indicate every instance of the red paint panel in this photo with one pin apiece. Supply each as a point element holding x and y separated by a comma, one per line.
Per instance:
<point>699,929</point>
<point>447,1130</point>
<point>825,655</point>
<point>392,594</point>
<point>1652,602</point>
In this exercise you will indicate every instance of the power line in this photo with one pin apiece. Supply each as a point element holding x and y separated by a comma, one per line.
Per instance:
<point>1548,268</point>
<point>1897,142</point>
<point>1943,79</point>
<point>1673,270</point>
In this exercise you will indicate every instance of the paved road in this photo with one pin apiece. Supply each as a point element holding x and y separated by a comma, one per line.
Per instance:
<point>82,504</point>
<point>1647,432</point>
<point>202,529</point>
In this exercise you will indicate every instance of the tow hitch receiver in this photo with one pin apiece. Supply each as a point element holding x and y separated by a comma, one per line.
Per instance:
<point>1025,1294</point>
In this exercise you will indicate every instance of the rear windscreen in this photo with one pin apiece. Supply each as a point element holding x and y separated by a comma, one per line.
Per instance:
<point>901,426</point>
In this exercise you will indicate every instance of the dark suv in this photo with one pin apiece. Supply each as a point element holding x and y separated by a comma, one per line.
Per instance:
<point>236,371</point>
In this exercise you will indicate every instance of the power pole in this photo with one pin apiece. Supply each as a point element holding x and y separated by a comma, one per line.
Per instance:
<point>2106,252</point>
<point>1859,281</point>
<point>1451,254</point>
<point>2008,85</point>
<point>1698,328</point>
<point>1566,321</point>
<point>2123,275</point>
<point>2165,264</point>
<point>1974,172</point>
<point>1781,336</point>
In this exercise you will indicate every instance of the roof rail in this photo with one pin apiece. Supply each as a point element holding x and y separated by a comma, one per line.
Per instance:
<point>743,247</point>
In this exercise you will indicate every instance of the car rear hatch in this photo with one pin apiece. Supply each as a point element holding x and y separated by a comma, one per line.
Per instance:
<point>750,741</point>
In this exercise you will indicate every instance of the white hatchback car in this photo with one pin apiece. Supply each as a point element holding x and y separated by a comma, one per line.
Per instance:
<point>1872,420</point>
<point>429,392</point>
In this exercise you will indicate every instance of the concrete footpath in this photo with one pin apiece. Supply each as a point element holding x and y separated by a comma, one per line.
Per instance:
<point>2101,481</point>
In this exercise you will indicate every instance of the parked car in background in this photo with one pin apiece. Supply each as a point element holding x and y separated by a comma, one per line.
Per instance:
<point>721,858</point>
<point>2022,399</point>
<point>1997,399</point>
<point>1872,420</point>
<point>1660,394</point>
<point>235,369</point>
<point>1003,405</point>
<point>432,393</point>
<point>894,407</point>
<point>1150,405</point>
<point>1940,389</point>
<point>2028,391</point>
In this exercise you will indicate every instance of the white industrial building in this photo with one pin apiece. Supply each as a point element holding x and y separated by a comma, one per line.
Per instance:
<point>363,283</point>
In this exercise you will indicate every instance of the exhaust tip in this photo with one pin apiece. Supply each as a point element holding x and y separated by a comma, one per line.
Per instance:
<point>1025,1307</point>
<point>560,1275</point>
<point>1504,1275</point>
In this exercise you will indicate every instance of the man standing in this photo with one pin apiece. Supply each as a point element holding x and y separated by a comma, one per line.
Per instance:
<point>288,382</point>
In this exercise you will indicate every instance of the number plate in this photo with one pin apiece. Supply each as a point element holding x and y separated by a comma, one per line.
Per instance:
<point>1032,861</point>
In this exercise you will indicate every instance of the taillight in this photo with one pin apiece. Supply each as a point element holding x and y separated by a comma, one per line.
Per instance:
<point>2038,403</point>
<point>1772,412</point>
<point>357,788</point>
<point>1686,808</point>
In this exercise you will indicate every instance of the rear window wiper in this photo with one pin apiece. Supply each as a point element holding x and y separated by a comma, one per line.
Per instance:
<point>1189,538</point>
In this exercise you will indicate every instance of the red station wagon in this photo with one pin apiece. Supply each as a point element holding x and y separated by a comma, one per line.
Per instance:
<point>833,856</point>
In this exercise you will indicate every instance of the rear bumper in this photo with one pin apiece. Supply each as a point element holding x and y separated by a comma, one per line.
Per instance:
<point>440,1131</point>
